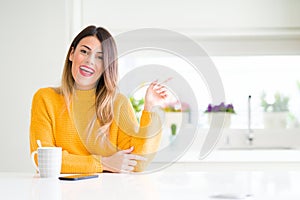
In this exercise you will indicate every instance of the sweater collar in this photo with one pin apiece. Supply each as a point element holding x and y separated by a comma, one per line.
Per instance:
<point>85,94</point>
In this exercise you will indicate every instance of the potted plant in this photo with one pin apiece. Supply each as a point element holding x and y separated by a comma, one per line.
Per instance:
<point>176,114</point>
<point>137,105</point>
<point>275,110</point>
<point>218,111</point>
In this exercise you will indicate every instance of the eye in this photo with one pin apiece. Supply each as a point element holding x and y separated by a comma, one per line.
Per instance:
<point>83,51</point>
<point>100,57</point>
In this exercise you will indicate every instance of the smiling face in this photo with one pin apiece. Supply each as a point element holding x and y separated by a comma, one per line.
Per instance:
<point>87,63</point>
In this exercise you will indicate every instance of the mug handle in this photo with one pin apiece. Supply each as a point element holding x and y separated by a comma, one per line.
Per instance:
<point>33,161</point>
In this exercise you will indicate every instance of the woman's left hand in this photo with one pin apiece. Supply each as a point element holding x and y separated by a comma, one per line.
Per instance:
<point>155,95</point>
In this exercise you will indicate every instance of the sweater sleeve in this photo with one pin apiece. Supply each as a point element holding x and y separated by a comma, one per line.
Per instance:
<point>41,128</point>
<point>145,138</point>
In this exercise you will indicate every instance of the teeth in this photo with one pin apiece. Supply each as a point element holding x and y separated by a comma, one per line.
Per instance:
<point>87,70</point>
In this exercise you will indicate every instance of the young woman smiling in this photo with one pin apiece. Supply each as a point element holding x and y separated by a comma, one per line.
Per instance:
<point>86,116</point>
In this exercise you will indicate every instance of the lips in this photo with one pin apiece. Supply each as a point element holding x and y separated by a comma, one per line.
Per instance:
<point>86,71</point>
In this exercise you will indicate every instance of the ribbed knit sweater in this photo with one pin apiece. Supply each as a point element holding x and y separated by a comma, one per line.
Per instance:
<point>76,130</point>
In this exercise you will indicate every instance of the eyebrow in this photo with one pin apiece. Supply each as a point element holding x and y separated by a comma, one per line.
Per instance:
<point>90,48</point>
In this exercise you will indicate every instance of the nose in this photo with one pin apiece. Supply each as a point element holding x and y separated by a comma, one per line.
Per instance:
<point>90,59</point>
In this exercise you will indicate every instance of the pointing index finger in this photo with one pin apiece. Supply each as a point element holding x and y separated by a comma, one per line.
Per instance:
<point>167,80</point>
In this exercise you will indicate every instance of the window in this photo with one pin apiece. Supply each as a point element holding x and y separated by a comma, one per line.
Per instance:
<point>241,76</point>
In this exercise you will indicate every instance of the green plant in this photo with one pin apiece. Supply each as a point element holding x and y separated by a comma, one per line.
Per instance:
<point>137,105</point>
<point>173,129</point>
<point>280,103</point>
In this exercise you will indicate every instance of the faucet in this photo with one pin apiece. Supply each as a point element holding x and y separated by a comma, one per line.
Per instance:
<point>250,135</point>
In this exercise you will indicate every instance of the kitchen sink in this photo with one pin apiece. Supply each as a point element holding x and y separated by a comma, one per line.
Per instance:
<point>261,139</point>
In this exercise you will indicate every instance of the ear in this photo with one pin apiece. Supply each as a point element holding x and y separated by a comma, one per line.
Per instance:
<point>71,54</point>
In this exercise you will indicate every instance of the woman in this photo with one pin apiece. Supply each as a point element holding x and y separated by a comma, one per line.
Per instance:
<point>87,117</point>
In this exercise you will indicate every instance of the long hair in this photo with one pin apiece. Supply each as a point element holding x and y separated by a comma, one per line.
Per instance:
<point>107,84</point>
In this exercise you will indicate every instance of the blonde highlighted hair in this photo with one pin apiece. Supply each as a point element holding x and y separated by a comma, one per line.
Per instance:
<point>107,84</point>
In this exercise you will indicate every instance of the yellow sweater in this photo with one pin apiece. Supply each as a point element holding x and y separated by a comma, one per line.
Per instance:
<point>54,125</point>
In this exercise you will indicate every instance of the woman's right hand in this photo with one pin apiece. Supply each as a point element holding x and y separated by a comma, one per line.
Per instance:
<point>122,161</point>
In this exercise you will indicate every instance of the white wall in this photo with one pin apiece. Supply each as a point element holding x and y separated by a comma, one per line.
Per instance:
<point>226,27</point>
<point>191,14</point>
<point>33,40</point>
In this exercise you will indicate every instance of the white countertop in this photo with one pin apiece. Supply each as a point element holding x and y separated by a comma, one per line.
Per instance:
<point>274,155</point>
<point>232,160</point>
<point>258,185</point>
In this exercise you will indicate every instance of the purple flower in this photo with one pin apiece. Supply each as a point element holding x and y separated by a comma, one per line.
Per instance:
<point>216,108</point>
<point>209,108</point>
<point>220,108</point>
<point>229,106</point>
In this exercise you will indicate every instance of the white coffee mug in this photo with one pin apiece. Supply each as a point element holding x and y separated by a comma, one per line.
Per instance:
<point>49,161</point>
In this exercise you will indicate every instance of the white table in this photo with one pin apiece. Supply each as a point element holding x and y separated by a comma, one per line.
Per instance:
<point>233,160</point>
<point>258,185</point>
